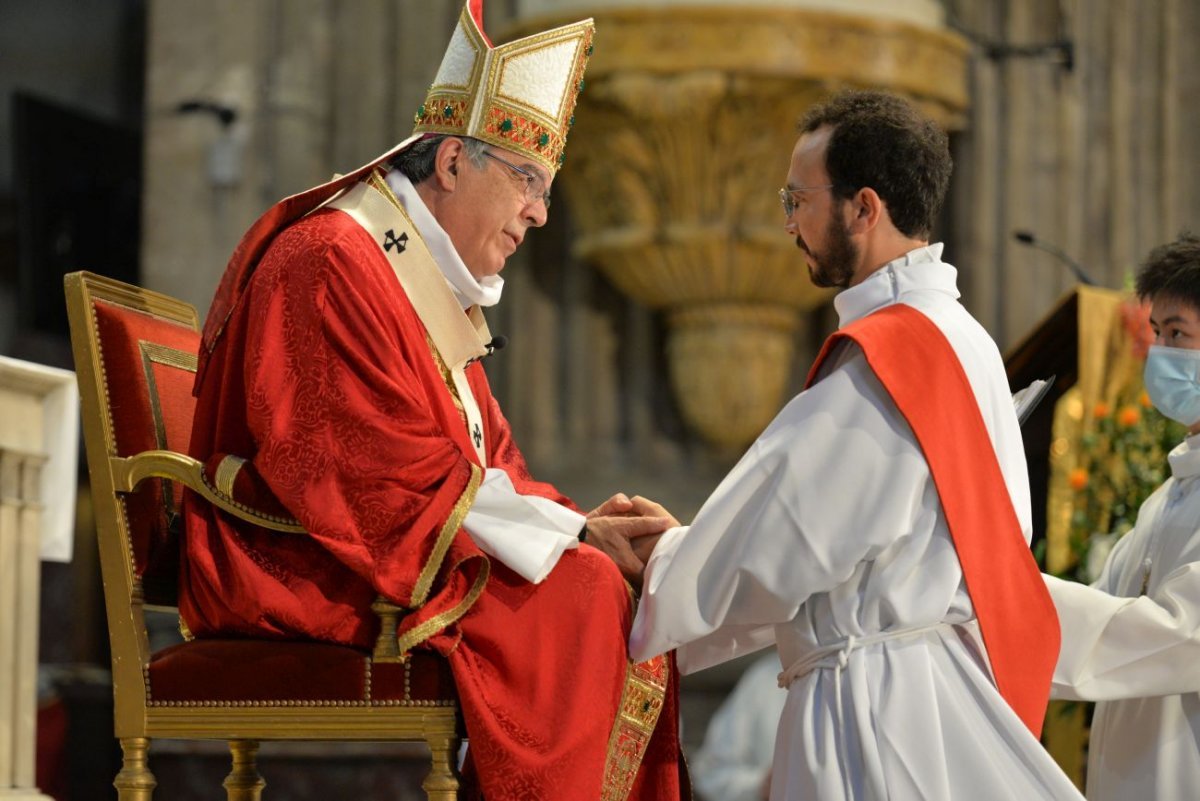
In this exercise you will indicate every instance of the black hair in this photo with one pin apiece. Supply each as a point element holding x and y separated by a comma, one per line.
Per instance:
<point>879,140</point>
<point>1173,271</point>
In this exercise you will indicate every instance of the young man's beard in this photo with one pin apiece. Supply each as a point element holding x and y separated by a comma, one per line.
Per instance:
<point>834,267</point>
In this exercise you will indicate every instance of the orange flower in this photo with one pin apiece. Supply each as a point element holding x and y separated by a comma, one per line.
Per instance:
<point>1129,416</point>
<point>1100,410</point>
<point>1078,478</point>
<point>1144,400</point>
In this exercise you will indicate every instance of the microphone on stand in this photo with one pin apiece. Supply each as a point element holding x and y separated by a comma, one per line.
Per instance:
<point>1027,238</point>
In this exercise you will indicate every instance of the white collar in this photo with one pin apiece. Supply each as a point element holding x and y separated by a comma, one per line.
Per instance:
<point>920,268</point>
<point>1185,458</point>
<point>467,289</point>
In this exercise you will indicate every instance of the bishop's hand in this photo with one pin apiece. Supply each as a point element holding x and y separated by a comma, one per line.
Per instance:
<point>625,534</point>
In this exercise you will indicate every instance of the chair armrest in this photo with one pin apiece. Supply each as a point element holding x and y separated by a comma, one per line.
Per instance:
<point>130,471</point>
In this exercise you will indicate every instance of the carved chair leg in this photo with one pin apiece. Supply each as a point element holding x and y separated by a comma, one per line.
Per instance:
<point>243,782</point>
<point>441,784</point>
<point>135,782</point>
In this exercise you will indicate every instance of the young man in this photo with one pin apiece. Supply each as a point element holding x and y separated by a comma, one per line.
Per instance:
<point>340,370</point>
<point>1132,640</point>
<point>878,530</point>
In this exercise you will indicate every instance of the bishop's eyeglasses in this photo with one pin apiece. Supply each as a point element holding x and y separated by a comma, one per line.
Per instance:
<point>535,185</point>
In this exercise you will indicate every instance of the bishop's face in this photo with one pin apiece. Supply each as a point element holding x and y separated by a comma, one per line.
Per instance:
<point>818,219</point>
<point>492,208</point>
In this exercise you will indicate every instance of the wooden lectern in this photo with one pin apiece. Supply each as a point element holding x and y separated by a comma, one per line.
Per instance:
<point>39,434</point>
<point>1077,342</point>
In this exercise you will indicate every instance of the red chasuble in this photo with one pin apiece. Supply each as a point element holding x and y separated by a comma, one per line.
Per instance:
<point>321,374</point>
<point>920,371</point>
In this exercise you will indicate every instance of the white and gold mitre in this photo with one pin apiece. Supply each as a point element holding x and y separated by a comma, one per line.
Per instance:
<point>519,96</point>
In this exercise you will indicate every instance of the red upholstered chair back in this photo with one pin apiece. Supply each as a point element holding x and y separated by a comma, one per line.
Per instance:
<point>140,348</point>
<point>149,367</point>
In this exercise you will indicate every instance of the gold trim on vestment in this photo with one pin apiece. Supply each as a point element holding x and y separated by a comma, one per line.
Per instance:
<point>448,380</point>
<point>642,700</point>
<point>445,537</point>
<point>418,634</point>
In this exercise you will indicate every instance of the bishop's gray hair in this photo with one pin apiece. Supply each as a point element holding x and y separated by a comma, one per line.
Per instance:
<point>417,160</point>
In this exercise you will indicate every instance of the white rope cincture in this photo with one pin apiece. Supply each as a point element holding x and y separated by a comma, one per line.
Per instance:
<point>836,657</point>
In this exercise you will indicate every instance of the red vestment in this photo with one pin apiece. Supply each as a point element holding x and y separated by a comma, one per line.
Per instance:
<point>323,377</point>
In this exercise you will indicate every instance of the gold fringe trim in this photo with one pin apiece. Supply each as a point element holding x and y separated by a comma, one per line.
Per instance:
<point>642,700</point>
<point>421,633</point>
<point>445,537</point>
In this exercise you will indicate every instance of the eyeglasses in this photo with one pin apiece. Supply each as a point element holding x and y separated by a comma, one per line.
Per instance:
<point>787,196</point>
<point>535,185</point>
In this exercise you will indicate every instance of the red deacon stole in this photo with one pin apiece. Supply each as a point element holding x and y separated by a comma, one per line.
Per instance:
<point>920,371</point>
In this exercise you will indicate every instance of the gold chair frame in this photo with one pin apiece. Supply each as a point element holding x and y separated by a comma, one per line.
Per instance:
<point>137,718</point>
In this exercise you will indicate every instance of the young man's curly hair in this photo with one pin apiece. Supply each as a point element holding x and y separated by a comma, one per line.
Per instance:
<point>1172,271</point>
<point>879,140</point>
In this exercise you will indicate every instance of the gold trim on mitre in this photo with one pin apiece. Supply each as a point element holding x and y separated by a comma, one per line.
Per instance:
<point>520,96</point>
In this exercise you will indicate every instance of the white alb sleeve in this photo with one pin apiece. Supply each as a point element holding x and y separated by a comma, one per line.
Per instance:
<point>527,533</point>
<point>1114,647</point>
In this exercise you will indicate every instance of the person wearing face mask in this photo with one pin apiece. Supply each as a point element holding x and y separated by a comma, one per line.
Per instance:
<point>1131,641</point>
<point>340,383</point>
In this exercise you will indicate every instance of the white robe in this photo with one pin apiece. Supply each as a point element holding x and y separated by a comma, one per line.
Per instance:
<point>1138,651</point>
<point>830,528</point>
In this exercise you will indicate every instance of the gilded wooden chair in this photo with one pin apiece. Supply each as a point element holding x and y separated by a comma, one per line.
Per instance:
<point>135,356</point>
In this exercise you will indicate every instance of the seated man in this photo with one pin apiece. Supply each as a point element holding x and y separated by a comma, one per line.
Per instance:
<point>1132,639</point>
<point>340,371</point>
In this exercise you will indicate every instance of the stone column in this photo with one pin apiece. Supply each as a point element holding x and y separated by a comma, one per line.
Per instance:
<point>33,400</point>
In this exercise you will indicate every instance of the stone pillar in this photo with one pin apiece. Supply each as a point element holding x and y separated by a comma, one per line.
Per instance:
<point>38,406</point>
<point>685,128</point>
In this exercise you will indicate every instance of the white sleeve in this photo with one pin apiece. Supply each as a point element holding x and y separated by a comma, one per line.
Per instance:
<point>1115,647</point>
<point>834,480</point>
<point>527,533</point>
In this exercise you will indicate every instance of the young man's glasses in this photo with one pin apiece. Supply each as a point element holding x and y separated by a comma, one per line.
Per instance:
<point>535,187</point>
<point>788,196</point>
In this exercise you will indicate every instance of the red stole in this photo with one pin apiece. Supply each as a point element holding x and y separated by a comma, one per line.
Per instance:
<point>920,371</point>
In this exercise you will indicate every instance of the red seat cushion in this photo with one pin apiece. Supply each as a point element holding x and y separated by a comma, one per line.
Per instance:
<point>267,670</point>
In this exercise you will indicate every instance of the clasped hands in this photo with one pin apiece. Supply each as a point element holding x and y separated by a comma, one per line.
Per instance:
<point>627,529</point>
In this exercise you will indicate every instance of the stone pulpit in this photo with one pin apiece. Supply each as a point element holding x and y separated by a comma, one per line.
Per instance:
<point>39,434</point>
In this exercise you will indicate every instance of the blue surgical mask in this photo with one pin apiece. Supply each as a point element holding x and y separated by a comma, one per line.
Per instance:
<point>1173,382</point>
